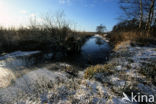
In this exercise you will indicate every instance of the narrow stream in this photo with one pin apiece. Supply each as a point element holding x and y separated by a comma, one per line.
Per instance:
<point>95,51</point>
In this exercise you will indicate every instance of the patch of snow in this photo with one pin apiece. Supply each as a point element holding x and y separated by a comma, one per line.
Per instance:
<point>119,67</point>
<point>31,84</point>
<point>64,65</point>
<point>141,54</point>
<point>18,53</point>
<point>135,65</point>
<point>18,58</point>
<point>145,89</point>
<point>6,76</point>
<point>115,100</point>
<point>48,56</point>
<point>98,36</point>
<point>15,62</point>
<point>116,81</point>
<point>132,73</point>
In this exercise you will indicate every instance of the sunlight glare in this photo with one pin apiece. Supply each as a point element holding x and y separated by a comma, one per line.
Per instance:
<point>4,18</point>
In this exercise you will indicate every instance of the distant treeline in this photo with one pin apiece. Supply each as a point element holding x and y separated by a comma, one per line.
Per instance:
<point>137,22</point>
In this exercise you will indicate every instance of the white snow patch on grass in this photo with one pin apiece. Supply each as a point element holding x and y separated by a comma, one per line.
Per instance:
<point>6,76</point>
<point>19,53</point>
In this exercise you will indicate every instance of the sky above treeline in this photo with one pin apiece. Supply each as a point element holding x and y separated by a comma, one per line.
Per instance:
<point>84,15</point>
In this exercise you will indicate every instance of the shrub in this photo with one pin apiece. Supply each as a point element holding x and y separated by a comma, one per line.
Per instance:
<point>136,37</point>
<point>39,38</point>
<point>106,69</point>
<point>149,70</point>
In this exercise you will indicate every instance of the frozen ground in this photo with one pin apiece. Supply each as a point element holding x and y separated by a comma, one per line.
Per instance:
<point>55,85</point>
<point>18,58</point>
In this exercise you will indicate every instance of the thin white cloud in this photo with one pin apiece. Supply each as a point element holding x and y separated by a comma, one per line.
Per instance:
<point>64,1</point>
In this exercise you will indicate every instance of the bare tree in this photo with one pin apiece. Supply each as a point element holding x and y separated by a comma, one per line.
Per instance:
<point>48,21</point>
<point>141,14</point>
<point>142,10</point>
<point>150,15</point>
<point>56,20</point>
<point>130,8</point>
<point>33,22</point>
<point>60,20</point>
<point>100,29</point>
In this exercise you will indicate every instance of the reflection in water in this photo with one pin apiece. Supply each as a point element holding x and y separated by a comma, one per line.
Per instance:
<point>95,44</point>
<point>94,51</point>
<point>99,41</point>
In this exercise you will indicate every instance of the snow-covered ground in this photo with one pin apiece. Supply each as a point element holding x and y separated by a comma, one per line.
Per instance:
<point>6,76</point>
<point>51,86</point>
<point>44,86</point>
<point>11,62</point>
<point>18,58</point>
<point>18,53</point>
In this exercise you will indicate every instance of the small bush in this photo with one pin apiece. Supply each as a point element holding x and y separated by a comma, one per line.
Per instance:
<point>106,69</point>
<point>149,70</point>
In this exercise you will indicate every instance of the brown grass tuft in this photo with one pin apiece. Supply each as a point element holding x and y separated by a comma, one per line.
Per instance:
<point>135,38</point>
<point>106,69</point>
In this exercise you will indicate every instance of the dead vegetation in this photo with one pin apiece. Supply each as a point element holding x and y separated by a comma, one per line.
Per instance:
<point>53,33</point>
<point>105,69</point>
<point>128,31</point>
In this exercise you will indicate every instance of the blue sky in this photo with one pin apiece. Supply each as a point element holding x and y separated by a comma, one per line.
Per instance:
<point>84,14</point>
